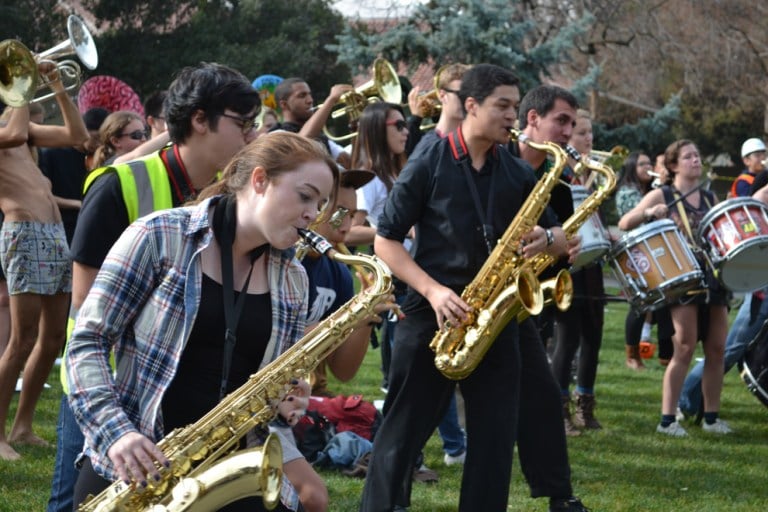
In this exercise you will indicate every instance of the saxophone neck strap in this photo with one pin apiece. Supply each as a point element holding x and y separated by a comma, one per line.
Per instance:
<point>224,223</point>
<point>461,155</point>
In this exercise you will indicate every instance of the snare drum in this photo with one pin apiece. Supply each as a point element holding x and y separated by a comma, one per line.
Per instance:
<point>594,237</point>
<point>735,233</point>
<point>754,366</point>
<point>654,265</point>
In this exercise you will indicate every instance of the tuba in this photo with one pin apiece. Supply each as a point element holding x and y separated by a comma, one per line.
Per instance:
<point>198,451</point>
<point>383,86</point>
<point>561,286</point>
<point>19,83</point>
<point>504,286</point>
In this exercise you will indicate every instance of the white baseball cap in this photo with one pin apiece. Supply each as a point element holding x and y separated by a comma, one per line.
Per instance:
<point>752,145</point>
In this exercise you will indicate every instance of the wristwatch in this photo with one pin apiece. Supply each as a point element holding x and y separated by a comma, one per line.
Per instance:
<point>550,237</point>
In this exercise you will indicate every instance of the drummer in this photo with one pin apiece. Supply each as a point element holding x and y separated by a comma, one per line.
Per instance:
<point>701,315</point>
<point>750,318</point>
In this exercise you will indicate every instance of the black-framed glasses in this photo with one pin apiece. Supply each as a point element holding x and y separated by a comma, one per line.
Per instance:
<point>399,124</point>
<point>452,91</point>
<point>246,123</point>
<point>337,217</point>
<point>135,134</point>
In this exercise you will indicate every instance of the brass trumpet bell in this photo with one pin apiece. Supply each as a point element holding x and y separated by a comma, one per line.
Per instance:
<point>19,77</point>
<point>18,74</point>
<point>383,86</point>
<point>431,100</point>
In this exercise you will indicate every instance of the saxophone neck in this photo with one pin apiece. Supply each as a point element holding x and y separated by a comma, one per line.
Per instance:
<point>379,276</point>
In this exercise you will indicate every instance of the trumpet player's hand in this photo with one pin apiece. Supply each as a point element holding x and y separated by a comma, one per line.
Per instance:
<point>294,404</point>
<point>573,246</point>
<point>657,211</point>
<point>337,91</point>
<point>134,457</point>
<point>449,308</point>
<point>534,242</point>
<point>51,76</point>
<point>413,102</point>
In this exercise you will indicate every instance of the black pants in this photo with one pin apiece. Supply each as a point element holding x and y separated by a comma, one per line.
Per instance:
<point>581,326</point>
<point>418,398</point>
<point>541,443</point>
<point>89,482</point>
<point>633,326</point>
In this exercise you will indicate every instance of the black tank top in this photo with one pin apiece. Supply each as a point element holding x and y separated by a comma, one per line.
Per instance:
<point>195,388</point>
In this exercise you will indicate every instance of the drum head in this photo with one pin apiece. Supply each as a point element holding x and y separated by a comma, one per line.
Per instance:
<point>745,270</point>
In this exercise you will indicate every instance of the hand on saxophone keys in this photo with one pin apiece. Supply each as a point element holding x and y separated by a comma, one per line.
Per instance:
<point>449,308</point>
<point>136,458</point>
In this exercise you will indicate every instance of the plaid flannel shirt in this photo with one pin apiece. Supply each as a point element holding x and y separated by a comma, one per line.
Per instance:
<point>143,305</point>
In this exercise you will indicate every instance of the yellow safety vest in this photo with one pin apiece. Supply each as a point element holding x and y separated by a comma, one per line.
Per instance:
<point>146,188</point>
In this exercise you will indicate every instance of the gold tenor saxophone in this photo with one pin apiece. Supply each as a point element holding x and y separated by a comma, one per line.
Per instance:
<point>196,451</point>
<point>503,286</point>
<point>560,287</point>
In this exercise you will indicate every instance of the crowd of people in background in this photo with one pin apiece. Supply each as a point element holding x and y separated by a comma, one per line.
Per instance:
<point>161,248</point>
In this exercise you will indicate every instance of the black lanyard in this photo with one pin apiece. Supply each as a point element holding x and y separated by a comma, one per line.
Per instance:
<point>224,221</point>
<point>485,219</point>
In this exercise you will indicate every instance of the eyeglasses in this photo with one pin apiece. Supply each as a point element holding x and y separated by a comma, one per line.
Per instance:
<point>135,135</point>
<point>337,218</point>
<point>399,124</point>
<point>246,123</point>
<point>452,91</point>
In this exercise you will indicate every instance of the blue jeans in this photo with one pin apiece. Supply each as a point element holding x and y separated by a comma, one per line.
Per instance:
<point>454,442</point>
<point>741,333</point>
<point>69,444</point>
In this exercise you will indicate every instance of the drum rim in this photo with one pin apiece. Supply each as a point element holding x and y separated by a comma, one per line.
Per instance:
<point>720,207</point>
<point>690,277</point>
<point>752,384</point>
<point>657,226</point>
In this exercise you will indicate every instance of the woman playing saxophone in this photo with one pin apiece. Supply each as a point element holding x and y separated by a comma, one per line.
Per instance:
<point>193,301</point>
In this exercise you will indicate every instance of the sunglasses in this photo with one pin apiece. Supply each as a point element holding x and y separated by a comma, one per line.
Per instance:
<point>337,218</point>
<point>399,124</point>
<point>135,135</point>
<point>246,123</point>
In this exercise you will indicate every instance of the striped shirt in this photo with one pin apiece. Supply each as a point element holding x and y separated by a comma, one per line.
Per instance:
<point>143,305</point>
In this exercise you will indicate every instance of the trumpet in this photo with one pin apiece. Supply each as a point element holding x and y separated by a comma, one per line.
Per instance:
<point>429,102</point>
<point>384,86</point>
<point>20,79</point>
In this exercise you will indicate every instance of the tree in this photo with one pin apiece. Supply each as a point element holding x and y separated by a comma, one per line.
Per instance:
<point>443,31</point>
<point>39,24</point>
<point>254,36</point>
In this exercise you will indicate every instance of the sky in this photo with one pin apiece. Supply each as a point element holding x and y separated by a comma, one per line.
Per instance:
<point>374,8</point>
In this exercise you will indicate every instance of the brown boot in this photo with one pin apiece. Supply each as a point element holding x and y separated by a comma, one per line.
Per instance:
<point>584,416</point>
<point>634,361</point>
<point>570,428</point>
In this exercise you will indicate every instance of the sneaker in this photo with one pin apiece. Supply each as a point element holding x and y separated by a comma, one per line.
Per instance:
<point>571,504</point>
<point>679,415</point>
<point>718,427</point>
<point>451,460</point>
<point>674,429</point>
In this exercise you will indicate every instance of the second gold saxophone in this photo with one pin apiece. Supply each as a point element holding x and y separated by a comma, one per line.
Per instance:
<point>560,288</point>
<point>503,287</point>
<point>198,452</point>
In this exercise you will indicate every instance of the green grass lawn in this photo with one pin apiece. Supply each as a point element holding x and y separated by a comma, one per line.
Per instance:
<point>624,467</point>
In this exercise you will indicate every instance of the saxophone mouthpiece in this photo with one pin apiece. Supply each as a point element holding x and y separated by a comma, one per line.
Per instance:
<point>572,152</point>
<point>315,241</point>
